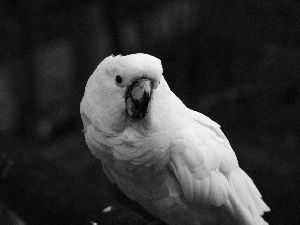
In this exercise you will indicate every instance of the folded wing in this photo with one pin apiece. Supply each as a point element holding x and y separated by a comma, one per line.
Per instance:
<point>208,172</point>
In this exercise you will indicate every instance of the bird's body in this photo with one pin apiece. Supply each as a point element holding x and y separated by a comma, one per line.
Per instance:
<point>175,162</point>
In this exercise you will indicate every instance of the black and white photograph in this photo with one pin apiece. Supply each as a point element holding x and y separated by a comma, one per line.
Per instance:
<point>170,112</point>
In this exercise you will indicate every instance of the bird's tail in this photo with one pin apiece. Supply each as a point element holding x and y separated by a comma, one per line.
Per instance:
<point>245,201</point>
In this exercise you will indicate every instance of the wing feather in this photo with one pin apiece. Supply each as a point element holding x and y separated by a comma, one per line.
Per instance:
<point>218,189</point>
<point>208,172</point>
<point>188,180</point>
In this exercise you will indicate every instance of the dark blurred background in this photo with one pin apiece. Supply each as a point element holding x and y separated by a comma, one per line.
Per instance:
<point>236,62</point>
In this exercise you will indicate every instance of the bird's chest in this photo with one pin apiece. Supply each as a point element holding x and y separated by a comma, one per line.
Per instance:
<point>138,163</point>
<point>142,176</point>
<point>142,182</point>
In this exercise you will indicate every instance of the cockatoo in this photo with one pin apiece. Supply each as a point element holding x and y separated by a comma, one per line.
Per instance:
<point>175,162</point>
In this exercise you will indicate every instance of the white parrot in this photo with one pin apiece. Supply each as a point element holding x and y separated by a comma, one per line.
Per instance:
<point>175,162</point>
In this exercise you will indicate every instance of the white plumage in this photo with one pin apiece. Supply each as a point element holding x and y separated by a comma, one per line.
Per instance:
<point>175,162</point>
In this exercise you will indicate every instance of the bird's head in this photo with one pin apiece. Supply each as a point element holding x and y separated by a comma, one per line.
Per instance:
<point>135,76</point>
<point>121,87</point>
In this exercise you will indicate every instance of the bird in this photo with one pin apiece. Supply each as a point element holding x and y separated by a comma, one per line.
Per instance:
<point>174,161</point>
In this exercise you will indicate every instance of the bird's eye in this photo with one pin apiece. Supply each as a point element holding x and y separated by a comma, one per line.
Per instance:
<point>119,80</point>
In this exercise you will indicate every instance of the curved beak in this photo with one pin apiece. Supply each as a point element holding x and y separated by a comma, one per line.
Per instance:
<point>138,97</point>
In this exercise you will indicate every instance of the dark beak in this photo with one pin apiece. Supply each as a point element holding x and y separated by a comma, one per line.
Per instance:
<point>138,97</point>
